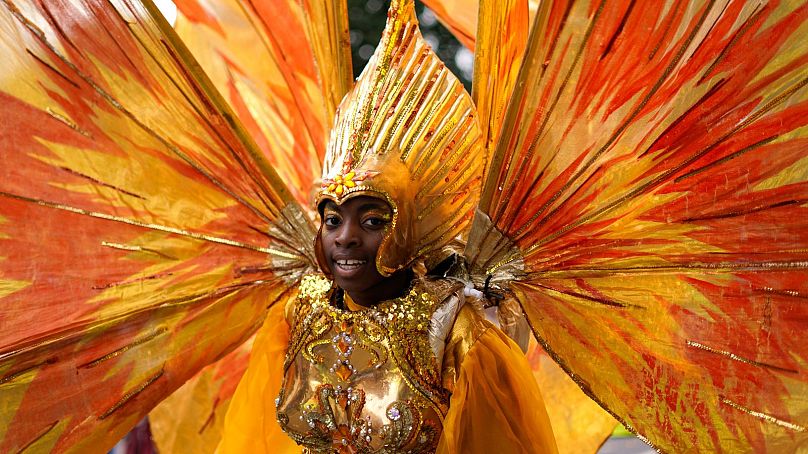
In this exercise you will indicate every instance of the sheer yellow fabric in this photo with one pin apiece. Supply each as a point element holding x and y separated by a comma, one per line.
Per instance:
<point>496,405</point>
<point>250,424</point>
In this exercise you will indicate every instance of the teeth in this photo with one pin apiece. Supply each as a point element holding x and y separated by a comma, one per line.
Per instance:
<point>350,264</point>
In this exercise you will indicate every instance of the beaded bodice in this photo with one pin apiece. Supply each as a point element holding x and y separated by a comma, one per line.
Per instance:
<point>363,381</point>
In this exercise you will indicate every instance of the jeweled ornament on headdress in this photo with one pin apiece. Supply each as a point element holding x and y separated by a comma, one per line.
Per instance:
<point>407,133</point>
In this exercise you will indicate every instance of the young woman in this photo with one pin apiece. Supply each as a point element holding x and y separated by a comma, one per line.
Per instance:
<point>381,358</point>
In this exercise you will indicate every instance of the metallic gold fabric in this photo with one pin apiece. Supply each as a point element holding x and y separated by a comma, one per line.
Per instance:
<point>407,133</point>
<point>363,380</point>
<point>467,328</point>
<point>494,386</point>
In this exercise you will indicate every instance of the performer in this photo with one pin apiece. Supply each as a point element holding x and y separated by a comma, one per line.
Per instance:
<point>381,358</point>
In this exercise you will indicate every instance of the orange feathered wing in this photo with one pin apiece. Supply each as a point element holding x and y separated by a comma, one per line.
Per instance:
<point>649,193</point>
<point>192,418</point>
<point>578,423</point>
<point>142,233</point>
<point>283,66</point>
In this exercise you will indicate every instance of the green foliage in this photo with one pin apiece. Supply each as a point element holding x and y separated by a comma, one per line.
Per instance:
<point>367,18</point>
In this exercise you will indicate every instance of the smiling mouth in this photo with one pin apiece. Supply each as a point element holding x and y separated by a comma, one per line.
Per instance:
<point>350,264</point>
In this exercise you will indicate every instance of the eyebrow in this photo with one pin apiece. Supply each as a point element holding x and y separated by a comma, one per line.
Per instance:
<point>331,206</point>
<point>374,206</point>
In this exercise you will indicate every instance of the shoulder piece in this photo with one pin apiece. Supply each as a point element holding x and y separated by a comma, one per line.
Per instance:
<point>467,328</point>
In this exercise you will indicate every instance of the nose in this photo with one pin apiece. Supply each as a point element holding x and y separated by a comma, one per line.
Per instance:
<point>348,235</point>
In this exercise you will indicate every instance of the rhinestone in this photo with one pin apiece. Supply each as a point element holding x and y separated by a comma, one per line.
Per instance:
<point>394,414</point>
<point>343,345</point>
<point>277,401</point>
<point>343,372</point>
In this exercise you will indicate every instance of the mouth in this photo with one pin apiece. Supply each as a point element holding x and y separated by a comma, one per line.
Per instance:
<point>349,264</point>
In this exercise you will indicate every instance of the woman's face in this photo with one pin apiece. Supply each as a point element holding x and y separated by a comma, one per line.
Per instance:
<point>351,235</point>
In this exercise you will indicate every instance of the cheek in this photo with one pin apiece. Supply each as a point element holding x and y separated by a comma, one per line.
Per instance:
<point>374,243</point>
<point>326,242</point>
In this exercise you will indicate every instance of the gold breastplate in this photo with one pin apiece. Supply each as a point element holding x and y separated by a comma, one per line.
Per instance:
<point>364,381</point>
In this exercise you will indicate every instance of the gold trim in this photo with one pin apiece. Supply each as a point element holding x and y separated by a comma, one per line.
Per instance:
<point>70,124</point>
<point>161,228</point>
<point>735,357</point>
<point>131,394</point>
<point>124,349</point>
<point>126,247</point>
<point>762,416</point>
<point>15,375</point>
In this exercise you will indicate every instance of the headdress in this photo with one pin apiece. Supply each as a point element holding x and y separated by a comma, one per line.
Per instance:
<point>406,133</point>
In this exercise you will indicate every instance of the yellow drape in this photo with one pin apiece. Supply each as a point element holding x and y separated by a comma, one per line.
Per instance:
<point>496,405</point>
<point>250,425</point>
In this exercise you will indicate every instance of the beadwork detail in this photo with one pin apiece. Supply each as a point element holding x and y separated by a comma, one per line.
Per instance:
<point>363,381</point>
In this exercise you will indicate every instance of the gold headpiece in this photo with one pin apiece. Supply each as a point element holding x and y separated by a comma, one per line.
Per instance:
<point>406,133</point>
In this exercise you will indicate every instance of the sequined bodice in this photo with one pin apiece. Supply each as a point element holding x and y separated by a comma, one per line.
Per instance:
<point>364,381</point>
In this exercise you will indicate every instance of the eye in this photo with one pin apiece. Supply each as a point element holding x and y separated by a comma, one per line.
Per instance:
<point>374,222</point>
<point>331,220</point>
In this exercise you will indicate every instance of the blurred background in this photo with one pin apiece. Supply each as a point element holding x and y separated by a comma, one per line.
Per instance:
<point>367,18</point>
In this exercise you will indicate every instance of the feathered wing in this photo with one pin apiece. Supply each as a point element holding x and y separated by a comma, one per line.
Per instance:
<point>192,418</point>
<point>502,36</point>
<point>142,234</point>
<point>648,194</point>
<point>283,65</point>
<point>579,424</point>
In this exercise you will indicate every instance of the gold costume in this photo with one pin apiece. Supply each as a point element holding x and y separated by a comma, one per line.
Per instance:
<point>419,373</point>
